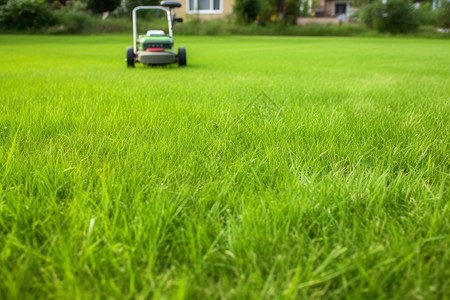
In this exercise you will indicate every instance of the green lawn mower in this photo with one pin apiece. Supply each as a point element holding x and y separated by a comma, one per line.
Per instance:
<point>155,48</point>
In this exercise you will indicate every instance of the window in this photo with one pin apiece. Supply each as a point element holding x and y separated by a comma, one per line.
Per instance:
<point>340,9</point>
<point>204,6</point>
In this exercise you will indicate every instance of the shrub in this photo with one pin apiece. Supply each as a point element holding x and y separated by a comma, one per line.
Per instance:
<point>396,16</point>
<point>26,15</point>
<point>266,11</point>
<point>372,15</point>
<point>443,16</point>
<point>426,16</point>
<point>214,27</point>
<point>400,17</point>
<point>247,10</point>
<point>76,5</point>
<point>73,22</point>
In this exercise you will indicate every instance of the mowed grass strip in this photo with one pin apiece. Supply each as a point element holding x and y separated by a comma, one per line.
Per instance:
<point>270,167</point>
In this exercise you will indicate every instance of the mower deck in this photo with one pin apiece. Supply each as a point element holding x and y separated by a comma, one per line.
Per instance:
<point>156,58</point>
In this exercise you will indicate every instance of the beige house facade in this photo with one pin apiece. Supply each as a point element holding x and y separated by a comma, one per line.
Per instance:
<point>220,9</point>
<point>327,12</point>
<point>205,9</point>
<point>332,8</point>
<point>337,8</point>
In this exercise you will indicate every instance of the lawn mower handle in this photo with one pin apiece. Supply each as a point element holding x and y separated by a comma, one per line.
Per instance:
<point>169,19</point>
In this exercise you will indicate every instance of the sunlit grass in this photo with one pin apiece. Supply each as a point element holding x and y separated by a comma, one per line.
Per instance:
<point>268,168</point>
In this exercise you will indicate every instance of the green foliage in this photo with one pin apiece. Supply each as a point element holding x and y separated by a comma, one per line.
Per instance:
<point>247,10</point>
<point>266,12</point>
<point>443,15</point>
<point>291,11</point>
<point>71,21</point>
<point>400,17</point>
<point>218,27</point>
<point>396,16</point>
<point>360,3</point>
<point>76,5</point>
<point>126,6</point>
<point>26,15</point>
<point>99,6</point>
<point>372,15</point>
<point>425,15</point>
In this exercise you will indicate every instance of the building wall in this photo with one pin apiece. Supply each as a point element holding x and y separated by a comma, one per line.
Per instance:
<point>317,21</point>
<point>227,9</point>
<point>330,7</point>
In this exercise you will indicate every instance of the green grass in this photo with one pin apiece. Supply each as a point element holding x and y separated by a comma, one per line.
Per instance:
<point>171,182</point>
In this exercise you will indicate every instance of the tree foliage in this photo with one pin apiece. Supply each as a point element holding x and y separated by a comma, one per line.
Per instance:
<point>99,6</point>
<point>26,15</point>
<point>247,10</point>
<point>443,16</point>
<point>127,6</point>
<point>396,16</point>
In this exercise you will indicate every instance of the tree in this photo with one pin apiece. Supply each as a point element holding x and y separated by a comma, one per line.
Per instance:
<point>396,16</point>
<point>127,6</point>
<point>443,16</point>
<point>247,10</point>
<point>26,15</point>
<point>99,6</point>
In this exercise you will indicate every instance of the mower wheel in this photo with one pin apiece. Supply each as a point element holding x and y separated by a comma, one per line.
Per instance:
<point>130,57</point>
<point>181,56</point>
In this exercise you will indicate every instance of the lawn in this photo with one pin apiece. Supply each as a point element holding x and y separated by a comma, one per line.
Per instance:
<point>270,167</point>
